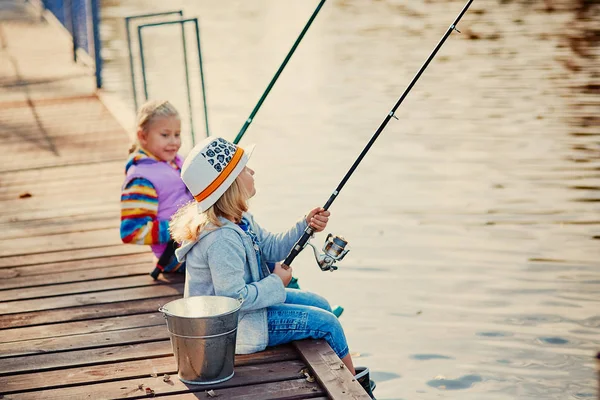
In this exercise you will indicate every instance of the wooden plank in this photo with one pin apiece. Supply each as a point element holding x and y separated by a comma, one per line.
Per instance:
<point>244,376</point>
<point>79,240</point>
<point>141,279</point>
<point>61,173</point>
<point>80,358</point>
<point>23,223</point>
<point>45,213</point>
<point>53,187</point>
<point>137,306</point>
<point>89,358</point>
<point>126,370</point>
<point>53,272</point>
<point>47,228</point>
<point>58,268</point>
<point>85,375</point>
<point>40,198</point>
<point>58,131</point>
<point>26,334</point>
<point>120,271</point>
<point>86,341</point>
<point>74,156</point>
<point>73,149</point>
<point>62,139</point>
<point>110,296</point>
<point>286,390</point>
<point>33,259</point>
<point>334,377</point>
<point>41,102</point>
<point>61,212</point>
<point>44,201</point>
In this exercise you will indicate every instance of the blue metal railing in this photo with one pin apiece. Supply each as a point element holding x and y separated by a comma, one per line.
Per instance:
<point>181,21</point>
<point>81,18</point>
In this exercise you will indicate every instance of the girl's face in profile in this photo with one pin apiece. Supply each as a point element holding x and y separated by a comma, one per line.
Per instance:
<point>246,179</point>
<point>163,138</point>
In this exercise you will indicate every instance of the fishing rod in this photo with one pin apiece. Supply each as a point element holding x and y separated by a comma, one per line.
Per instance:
<point>276,76</point>
<point>167,255</point>
<point>334,248</point>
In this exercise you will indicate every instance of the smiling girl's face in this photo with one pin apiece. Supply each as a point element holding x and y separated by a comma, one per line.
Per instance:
<point>162,138</point>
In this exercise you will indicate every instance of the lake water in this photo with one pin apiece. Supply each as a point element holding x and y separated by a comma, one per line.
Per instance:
<point>474,221</point>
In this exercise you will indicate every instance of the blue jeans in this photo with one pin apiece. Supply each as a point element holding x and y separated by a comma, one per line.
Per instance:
<point>305,315</point>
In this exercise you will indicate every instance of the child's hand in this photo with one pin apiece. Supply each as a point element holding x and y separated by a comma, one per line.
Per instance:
<point>317,218</point>
<point>284,274</point>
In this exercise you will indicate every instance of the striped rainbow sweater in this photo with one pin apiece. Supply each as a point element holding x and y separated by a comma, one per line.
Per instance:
<point>139,209</point>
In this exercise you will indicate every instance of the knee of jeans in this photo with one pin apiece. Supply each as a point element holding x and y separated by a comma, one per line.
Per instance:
<point>325,321</point>
<point>321,302</point>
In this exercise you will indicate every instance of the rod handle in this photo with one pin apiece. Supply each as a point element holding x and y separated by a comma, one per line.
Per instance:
<point>297,248</point>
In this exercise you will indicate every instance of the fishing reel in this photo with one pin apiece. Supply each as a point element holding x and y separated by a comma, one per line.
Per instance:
<point>334,250</point>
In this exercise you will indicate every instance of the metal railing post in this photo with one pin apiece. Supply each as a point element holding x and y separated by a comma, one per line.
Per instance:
<point>95,6</point>
<point>128,32</point>
<point>187,83</point>
<point>143,64</point>
<point>141,45</point>
<point>73,29</point>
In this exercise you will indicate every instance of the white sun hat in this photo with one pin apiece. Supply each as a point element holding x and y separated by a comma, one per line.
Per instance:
<point>211,167</point>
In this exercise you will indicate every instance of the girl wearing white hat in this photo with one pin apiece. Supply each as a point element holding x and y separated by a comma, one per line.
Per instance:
<point>226,253</point>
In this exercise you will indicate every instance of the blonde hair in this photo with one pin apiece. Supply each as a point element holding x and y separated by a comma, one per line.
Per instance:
<point>148,113</point>
<point>188,223</point>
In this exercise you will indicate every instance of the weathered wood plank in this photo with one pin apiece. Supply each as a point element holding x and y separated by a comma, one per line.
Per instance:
<point>111,296</point>
<point>32,259</point>
<point>62,174</point>
<point>77,358</point>
<point>339,383</point>
<point>62,212</point>
<point>30,333</point>
<point>73,157</point>
<point>286,390</point>
<point>140,279</point>
<point>24,221</point>
<point>79,240</point>
<point>137,306</point>
<point>126,370</point>
<point>41,191</point>
<point>86,341</point>
<point>24,207</point>
<point>105,188</point>
<point>69,270</point>
<point>36,201</point>
<point>131,389</point>
<point>90,357</point>
<point>140,270</point>
<point>70,146</point>
<point>85,375</point>
<point>45,228</point>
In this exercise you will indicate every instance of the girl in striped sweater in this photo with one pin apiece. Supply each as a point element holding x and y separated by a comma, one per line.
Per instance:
<point>153,189</point>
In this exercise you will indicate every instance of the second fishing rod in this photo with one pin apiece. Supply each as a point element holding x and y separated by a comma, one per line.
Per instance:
<point>335,246</point>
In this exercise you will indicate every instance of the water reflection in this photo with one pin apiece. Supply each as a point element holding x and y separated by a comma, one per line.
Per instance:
<point>472,220</point>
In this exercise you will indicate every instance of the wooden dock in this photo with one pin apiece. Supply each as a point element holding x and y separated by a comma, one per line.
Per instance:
<point>78,310</point>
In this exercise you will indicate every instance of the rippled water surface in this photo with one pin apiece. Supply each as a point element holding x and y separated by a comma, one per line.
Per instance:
<point>474,221</point>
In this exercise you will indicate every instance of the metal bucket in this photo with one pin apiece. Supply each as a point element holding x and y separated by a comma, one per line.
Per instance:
<point>203,331</point>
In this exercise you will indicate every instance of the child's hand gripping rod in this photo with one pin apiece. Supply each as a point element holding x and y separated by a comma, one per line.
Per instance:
<point>308,232</point>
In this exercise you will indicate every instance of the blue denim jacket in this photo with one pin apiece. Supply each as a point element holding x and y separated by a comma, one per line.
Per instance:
<point>223,262</point>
